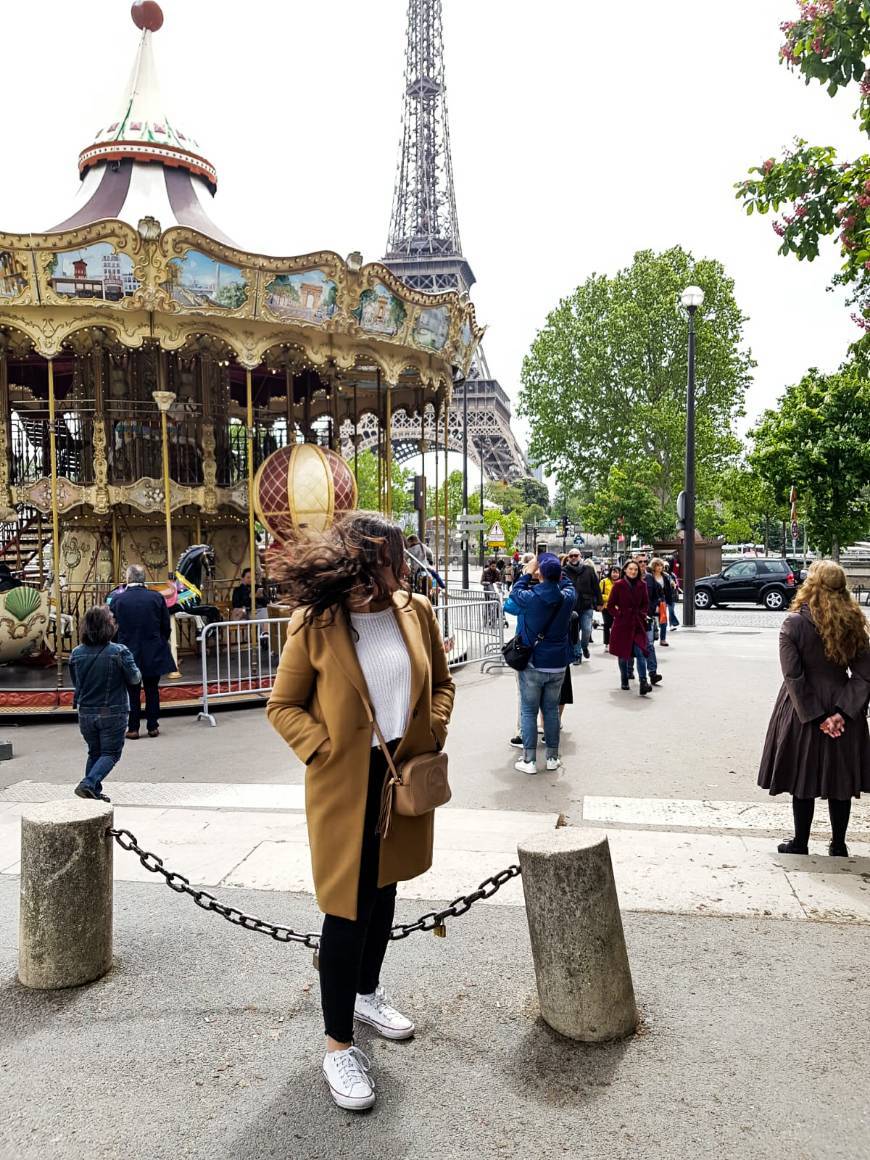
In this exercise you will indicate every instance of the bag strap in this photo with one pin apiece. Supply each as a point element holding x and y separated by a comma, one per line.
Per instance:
<point>391,781</point>
<point>549,624</point>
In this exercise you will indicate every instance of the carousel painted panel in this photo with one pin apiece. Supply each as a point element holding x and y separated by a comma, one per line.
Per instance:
<point>302,296</point>
<point>380,311</point>
<point>23,621</point>
<point>431,328</point>
<point>197,281</point>
<point>95,272</point>
<point>13,278</point>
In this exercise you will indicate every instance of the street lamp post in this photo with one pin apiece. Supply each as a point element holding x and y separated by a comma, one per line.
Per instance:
<point>692,298</point>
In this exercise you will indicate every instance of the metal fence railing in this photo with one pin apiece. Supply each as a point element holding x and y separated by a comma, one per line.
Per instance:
<point>238,657</point>
<point>473,630</point>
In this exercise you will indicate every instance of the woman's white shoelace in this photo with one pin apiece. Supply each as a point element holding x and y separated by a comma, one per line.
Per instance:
<point>354,1066</point>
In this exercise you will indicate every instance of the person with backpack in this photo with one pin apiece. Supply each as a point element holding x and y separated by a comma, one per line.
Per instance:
<point>546,608</point>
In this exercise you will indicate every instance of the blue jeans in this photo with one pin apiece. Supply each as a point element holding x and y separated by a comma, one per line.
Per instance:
<point>539,693</point>
<point>663,632</point>
<point>103,731</point>
<point>627,665</point>
<point>651,661</point>
<point>673,621</point>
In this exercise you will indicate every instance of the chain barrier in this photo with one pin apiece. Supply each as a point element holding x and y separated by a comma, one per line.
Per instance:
<point>434,920</point>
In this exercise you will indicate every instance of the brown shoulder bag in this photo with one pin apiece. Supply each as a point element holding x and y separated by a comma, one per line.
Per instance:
<point>417,786</point>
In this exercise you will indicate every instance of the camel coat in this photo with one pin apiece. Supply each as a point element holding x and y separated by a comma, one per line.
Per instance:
<point>317,705</point>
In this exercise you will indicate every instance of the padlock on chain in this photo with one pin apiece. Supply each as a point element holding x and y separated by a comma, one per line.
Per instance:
<point>316,960</point>
<point>440,931</point>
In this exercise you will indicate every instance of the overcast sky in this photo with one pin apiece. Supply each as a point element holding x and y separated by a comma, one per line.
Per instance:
<point>582,131</point>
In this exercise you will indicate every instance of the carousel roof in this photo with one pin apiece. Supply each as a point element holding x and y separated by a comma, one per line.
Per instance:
<point>141,163</point>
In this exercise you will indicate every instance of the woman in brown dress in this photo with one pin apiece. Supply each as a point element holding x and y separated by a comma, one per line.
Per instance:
<point>817,742</point>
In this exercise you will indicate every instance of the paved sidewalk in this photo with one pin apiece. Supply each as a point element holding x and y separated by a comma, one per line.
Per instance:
<point>204,1043</point>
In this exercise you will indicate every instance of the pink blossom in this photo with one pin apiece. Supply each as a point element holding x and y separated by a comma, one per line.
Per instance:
<point>779,229</point>
<point>800,211</point>
<point>768,165</point>
<point>864,200</point>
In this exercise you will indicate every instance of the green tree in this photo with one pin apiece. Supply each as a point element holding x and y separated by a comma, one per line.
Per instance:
<point>533,491</point>
<point>508,497</point>
<point>750,509</point>
<point>367,483</point>
<point>435,500</point>
<point>533,513</point>
<point>822,196</point>
<point>625,503</point>
<point>605,380</point>
<point>819,440</point>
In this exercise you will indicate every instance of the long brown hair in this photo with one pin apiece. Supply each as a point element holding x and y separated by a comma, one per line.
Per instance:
<point>838,619</point>
<point>322,572</point>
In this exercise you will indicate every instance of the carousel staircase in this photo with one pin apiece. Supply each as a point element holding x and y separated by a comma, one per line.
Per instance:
<point>21,541</point>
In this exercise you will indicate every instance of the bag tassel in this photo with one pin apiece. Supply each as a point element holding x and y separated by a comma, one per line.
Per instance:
<point>386,813</point>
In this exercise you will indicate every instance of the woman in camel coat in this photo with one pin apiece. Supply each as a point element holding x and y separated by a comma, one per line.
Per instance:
<point>358,644</point>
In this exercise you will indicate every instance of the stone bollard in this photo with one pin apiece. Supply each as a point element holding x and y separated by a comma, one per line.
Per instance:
<point>581,965</point>
<point>65,918</point>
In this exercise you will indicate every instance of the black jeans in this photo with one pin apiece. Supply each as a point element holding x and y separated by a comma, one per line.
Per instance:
<point>608,624</point>
<point>152,704</point>
<point>352,952</point>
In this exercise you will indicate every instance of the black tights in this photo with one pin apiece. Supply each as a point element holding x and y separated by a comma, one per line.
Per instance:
<point>352,951</point>
<point>803,810</point>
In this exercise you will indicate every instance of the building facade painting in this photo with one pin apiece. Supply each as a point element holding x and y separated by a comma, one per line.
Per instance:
<point>308,295</point>
<point>96,271</point>
<point>200,280</point>
<point>380,311</point>
<point>431,328</point>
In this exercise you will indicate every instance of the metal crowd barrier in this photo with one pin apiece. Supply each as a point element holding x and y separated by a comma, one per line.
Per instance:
<point>239,656</point>
<point>473,630</point>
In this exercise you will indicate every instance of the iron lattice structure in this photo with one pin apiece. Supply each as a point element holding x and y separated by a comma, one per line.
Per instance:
<point>424,248</point>
<point>490,437</point>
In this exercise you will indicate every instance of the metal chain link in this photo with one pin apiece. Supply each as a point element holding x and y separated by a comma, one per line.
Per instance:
<point>433,921</point>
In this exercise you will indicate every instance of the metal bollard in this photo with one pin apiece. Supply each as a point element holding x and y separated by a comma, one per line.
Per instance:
<point>581,964</point>
<point>65,917</point>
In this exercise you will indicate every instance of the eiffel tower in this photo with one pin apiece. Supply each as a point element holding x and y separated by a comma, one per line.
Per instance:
<point>425,251</point>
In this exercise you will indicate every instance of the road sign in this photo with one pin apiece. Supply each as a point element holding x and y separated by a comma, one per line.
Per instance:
<point>471,523</point>
<point>794,529</point>
<point>578,540</point>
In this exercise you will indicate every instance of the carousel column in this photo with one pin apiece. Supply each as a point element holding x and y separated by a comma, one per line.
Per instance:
<point>55,527</point>
<point>252,545</point>
<point>164,400</point>
<point>388,449</point>
<point>7,512</point>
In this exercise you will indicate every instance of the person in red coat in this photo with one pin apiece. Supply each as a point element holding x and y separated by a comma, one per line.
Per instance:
<point>628,605</point>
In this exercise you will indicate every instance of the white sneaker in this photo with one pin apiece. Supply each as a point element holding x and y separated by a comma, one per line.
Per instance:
<point>386,1020</point>
<point>526,766</point>
<point>347,1073</point>
<point>553,763</point>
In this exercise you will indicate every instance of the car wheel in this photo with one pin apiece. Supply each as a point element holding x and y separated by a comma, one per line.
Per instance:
<point>774,600</point>
<point>702,598</point>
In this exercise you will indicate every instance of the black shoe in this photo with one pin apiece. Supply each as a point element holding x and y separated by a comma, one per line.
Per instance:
<point>645,688</point>
<point>155,732</point>
<point>791,847</point>
<point>631,676</point>
<point>586,651</point>
<point>516,742</point>
<point>838,850</point>
<point>85,791</point>
<point>655,678</point>
<point>624,685</point>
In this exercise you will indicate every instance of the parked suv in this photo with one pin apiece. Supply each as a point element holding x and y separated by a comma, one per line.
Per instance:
<point>770,582</point>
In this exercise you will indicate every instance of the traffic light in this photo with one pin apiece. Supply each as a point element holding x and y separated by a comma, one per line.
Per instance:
<point>564,526</point>
<point>419,493</point>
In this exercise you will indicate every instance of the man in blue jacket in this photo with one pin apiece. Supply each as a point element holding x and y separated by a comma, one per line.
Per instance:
<point>546,610</point>
<point>143,626</point>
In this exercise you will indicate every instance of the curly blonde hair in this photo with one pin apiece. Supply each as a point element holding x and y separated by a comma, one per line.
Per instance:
<point>839,621</point>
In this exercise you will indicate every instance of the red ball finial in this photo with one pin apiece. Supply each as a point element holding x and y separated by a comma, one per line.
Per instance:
<point>147,15</point>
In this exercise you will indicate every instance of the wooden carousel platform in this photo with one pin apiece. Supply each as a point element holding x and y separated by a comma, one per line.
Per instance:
<point>34,692</point>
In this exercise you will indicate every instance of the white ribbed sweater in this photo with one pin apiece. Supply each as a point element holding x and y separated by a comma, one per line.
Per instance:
<point>383,658</point>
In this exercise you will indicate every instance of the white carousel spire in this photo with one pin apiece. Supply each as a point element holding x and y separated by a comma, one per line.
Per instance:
<point>141,130</point>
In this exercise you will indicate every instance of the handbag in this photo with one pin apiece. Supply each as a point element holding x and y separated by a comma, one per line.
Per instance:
<point>517,654</point>
<point>418,786</point>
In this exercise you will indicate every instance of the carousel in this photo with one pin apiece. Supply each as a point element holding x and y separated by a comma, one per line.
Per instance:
<point>163,389</point>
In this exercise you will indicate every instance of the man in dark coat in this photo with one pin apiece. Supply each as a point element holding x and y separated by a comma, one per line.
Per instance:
<point>144,627</point>
<point>584,580</point>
